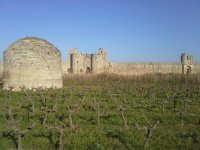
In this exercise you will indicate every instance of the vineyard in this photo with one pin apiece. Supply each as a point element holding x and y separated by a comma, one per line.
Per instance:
<point>104,112</point>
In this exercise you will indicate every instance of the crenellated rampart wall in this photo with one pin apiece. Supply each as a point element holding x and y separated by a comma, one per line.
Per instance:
<point>135,68</point>
<point>145,68</point>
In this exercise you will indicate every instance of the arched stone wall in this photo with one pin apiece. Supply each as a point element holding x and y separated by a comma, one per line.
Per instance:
<point>32,63</point>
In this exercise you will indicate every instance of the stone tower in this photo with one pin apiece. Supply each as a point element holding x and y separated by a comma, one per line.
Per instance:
<point>32,63</point>
<point>187,64</point>
<point>88,63</point>
<point>73,53</point>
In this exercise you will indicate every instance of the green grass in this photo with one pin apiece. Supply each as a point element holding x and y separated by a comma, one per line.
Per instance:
<point>143,97</point>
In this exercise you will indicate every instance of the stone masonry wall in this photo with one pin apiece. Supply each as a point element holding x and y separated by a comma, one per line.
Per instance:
<point>144,68</point>
<point>196,68</point>
<point>134,68</point>
<point>1,70</point>
<point>32,62</point>
<point>102,64</point>
<point>65,67</point>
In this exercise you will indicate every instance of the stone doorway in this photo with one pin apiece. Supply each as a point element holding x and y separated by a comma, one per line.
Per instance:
<point>188,71</point>
<point>88,70</point>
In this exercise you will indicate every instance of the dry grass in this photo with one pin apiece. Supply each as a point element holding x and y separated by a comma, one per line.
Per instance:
<point>147,77</point>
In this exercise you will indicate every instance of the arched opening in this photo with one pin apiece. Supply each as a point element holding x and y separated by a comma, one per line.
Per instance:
<point>188,71</point>
<point>88,70</point>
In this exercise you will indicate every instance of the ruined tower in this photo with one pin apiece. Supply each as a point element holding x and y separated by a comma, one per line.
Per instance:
<point>187,64</point>
<point>88,63</point>
<point>73,59</point>
<point>32,63</point>
<point>93,63</point>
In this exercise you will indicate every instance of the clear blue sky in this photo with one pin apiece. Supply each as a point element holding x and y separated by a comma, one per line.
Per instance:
<point>130,30</point>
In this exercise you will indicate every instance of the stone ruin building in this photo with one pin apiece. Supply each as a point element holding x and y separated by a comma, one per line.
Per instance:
<point>98,63</point>
<point>32,63</point>
<point>187,63</point>
<point>87,63</point>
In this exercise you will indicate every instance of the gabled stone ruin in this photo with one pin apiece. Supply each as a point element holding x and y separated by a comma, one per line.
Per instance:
<point>32,63</point>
